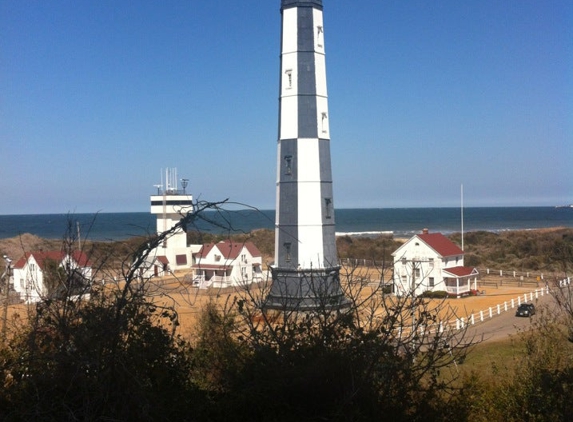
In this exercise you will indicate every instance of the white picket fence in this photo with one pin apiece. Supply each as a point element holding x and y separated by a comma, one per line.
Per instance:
<point>493,311</point>
<point>485,314</point>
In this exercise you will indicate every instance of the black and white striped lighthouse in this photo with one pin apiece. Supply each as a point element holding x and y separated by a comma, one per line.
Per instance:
<point>306,271</point>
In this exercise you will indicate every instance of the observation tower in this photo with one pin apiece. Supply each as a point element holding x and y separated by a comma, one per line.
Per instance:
<point>169,205</point>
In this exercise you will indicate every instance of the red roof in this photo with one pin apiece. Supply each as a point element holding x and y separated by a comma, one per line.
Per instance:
<point>58,256</point>
<point>461,271</point>
<point>441,244</point>
<point>228,249</point>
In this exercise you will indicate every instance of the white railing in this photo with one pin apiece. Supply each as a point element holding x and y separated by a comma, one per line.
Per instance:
<point>485,314</point>
<point>457,290</point>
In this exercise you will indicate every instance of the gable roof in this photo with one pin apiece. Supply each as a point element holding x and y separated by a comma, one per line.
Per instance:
<point>461,271</point>
<point>58,256</point>
<point>229,250</point>
<point>440,243</point>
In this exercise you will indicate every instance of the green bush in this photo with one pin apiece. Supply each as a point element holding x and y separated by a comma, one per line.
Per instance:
<point>435,295</point>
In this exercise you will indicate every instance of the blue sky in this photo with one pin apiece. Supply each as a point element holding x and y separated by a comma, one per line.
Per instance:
<point>96,97</point>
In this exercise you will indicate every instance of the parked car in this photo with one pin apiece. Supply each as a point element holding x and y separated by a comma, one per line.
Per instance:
<point>525,310</point>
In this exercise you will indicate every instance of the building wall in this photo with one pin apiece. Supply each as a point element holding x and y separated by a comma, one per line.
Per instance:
<point>29,281</point>
<point>429,264</point>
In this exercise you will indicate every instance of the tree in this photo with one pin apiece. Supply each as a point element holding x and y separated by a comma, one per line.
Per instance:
<point>535,386</point>
<point>113,357</point>
<point>373,358</point>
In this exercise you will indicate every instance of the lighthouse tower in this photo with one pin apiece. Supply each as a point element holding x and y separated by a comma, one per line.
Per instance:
<point>305,275</point>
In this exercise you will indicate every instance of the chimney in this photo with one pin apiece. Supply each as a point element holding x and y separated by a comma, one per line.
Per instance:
<point>425,231</point>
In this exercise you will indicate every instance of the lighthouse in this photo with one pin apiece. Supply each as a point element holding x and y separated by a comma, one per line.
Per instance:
<point>305,274</point>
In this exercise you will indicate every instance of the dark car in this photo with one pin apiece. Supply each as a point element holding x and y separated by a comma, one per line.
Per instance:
<point>525,309</point>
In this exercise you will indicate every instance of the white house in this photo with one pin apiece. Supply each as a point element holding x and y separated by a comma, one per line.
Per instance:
<point>226,264</point>
<point>155,266</point>
<point>29,272</point>
<point>432,262</point>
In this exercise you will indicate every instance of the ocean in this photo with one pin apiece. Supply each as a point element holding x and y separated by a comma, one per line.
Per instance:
<point>401,222</point>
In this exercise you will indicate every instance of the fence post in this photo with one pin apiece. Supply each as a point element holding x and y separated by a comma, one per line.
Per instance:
<point>487,271</point>
<point>472,319</point>
<point>481,316</point>
<point>514,274</point>
<point>505,306</point>
<point>501,273</point>
<point>518,300</point>
<point>512,305</point>
<point>498,310</point>
<point>490,313</point>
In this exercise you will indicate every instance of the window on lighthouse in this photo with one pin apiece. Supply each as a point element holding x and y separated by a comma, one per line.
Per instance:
<point>319,35</point>
<point>288,74</point>
<point>327,203</point>
<point>287,252</point>
<point>288,164</point>
<point>324,122</point>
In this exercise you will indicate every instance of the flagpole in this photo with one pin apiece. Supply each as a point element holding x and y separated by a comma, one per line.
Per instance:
<point>462,211</point>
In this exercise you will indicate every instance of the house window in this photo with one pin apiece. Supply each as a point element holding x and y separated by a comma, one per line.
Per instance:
<point>431,262</point>
<point>287,252</point>
<point>319,35</point>
<point>431,281</point>
<point>327,203</point>
<point>288,74</point>
<point>217,258</point>
<point>417,272</point>
<point>457,259</point>
<point>404,280</point>
<point>404,261</point>
<point>181,259</point>
<point>288,164</point>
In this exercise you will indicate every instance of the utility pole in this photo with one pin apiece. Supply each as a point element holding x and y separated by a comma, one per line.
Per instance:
<point>6,275</point>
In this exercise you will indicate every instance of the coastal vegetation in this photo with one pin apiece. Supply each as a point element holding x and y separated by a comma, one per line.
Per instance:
<point>544,250</point>
<point>121,356</point>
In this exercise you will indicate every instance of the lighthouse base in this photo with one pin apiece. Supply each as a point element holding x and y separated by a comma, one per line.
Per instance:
<point>305,290</point>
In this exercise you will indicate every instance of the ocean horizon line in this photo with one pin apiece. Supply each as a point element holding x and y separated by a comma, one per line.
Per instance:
<point>401,222</point>
<point>254,209</point>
